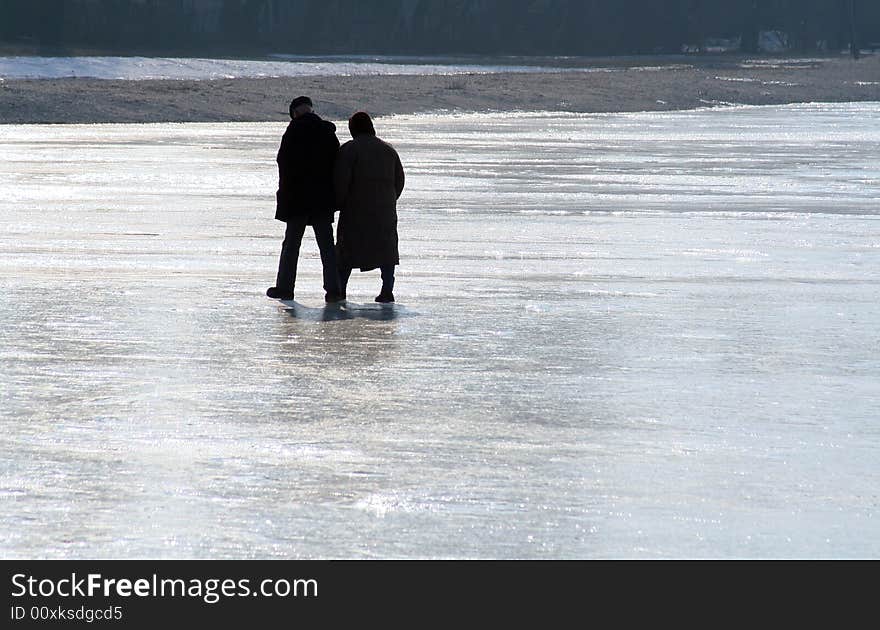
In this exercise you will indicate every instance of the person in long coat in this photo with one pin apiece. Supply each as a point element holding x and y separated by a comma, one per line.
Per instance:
<point>368,179</point>
<point>305,196</point>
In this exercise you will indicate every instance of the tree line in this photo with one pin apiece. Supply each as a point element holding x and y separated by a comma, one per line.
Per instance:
<point>533,27</point>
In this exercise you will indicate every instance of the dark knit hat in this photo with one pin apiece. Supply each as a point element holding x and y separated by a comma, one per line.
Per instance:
<point>361,123</point>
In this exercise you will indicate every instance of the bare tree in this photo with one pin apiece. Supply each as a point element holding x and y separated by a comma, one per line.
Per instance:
<point>853,37</point>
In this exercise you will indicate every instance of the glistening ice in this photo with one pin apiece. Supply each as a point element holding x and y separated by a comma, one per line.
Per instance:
<point>629,335</point>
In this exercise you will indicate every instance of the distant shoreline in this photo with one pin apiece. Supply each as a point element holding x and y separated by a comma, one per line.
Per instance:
<point>629,84</point>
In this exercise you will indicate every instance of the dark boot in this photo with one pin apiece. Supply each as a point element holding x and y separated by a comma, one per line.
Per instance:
<point>278,294</point>
<point>386,295</point>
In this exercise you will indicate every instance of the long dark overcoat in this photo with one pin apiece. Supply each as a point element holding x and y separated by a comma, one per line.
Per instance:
<point>368,179</point>
<point>305,169</point>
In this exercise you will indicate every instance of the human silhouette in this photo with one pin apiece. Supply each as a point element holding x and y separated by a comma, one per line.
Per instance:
<point>368,179</point>
<point>305,196</point>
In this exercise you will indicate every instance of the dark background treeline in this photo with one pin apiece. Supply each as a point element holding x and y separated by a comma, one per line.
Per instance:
<point>536,27</point>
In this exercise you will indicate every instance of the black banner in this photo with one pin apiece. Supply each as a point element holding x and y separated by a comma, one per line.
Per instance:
<point>546,594</point>
<point>128,594</point>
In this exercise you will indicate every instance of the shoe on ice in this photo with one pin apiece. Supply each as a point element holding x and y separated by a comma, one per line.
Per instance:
<point>333,298</point>
<point>385,297</point>
<point>277,294</point>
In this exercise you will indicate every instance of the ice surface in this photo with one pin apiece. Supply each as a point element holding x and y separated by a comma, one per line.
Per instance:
<point>139,68</point>
<point>626,336</point>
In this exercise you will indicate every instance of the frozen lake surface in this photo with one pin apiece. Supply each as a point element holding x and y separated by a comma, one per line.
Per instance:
<point>617,336</point>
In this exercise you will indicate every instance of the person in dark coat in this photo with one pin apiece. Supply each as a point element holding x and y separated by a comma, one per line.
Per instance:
<point>368,179</point>
<point>305,196</point>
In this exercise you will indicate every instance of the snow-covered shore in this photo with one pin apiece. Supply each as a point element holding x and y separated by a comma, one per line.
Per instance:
<point>177,90</point>
<point>194,69</point>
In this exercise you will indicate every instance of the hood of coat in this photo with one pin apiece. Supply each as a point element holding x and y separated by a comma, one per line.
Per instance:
<point>312,120</point>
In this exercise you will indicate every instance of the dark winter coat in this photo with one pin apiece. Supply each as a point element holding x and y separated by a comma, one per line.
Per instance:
<point>368,179</point>
<point>305,169</point>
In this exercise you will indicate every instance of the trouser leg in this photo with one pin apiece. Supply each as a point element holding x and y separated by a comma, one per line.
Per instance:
<point>293,234</point>
<point>387,278</point>
<point>324,236</point>
<point>344,275</point>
